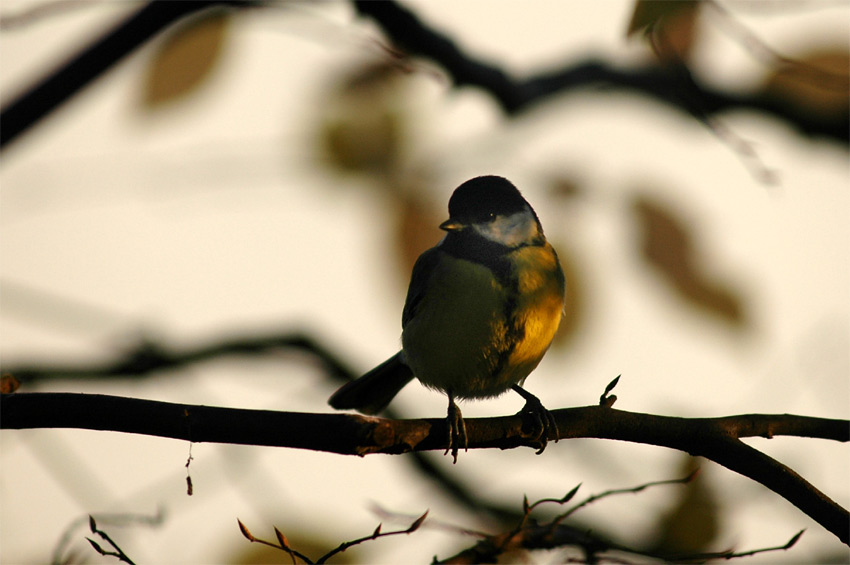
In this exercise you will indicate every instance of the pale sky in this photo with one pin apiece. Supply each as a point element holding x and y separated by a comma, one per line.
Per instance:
<point>216,214</point>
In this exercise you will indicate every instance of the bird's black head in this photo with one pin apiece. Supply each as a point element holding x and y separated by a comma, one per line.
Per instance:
<point>483,198</point>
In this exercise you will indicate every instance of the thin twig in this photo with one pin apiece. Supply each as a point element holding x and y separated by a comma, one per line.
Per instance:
<point>554,534</point>
<point>283,544</point>
<point>116,552</point>
<point>631,490</point>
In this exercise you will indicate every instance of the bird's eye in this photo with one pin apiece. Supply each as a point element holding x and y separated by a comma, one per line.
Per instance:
<point>491,216</point>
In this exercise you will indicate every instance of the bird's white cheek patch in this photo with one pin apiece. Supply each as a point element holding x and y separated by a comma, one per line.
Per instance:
<point>512,231</point>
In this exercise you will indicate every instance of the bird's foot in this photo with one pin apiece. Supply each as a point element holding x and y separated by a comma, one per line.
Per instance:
<point>457,430</point>
<point>543,422</point>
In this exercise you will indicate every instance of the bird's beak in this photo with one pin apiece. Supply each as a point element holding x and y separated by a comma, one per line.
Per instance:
<point>452,225</point>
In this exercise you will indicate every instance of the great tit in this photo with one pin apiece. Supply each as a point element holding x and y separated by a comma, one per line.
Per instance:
<point>481,311</point>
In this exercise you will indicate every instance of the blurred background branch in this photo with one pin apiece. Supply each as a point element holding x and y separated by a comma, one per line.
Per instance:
<point>92,61</point>
<point>414,37</point>
<point>664,83</point>
<point>151,355</point>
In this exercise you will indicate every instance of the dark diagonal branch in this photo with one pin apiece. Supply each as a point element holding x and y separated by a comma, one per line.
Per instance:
<point>91,62</point>
<point>717,439</point>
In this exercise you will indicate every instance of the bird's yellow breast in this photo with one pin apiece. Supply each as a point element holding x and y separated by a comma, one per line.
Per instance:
<point>540,306</point>
<point>477,336</point>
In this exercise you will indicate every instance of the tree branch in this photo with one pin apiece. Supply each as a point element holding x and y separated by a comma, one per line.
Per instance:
<point>515,95</point>
<point>717,439</point>
<point>150,356</point>
<point>91,62</point>
<point>404,28</point>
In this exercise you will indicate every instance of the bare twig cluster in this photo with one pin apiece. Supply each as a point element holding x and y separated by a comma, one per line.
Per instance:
<point>116,551</point>
<point>283,544</point>
<point>530,534</point>
<point>63,551</point>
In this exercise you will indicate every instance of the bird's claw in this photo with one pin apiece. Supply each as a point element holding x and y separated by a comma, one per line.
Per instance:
<point>456,429</point>
<point>543,423</point>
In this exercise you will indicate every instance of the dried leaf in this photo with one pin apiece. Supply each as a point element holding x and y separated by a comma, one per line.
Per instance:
<point>673,24</point>
<point>9,384</point>
<point>364,122</point>
<point>566,187</point>
<point>667,246</point>
<point>648,13</point>
<point>186,58</point>
<point>417,228</point>
<point>817,83</point>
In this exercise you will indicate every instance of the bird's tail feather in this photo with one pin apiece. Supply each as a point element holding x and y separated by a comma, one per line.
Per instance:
<point>372,392</point>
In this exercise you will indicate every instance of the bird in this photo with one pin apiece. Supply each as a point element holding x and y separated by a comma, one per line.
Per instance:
<point>481,311</point>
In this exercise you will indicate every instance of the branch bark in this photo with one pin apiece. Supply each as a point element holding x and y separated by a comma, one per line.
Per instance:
<point>717,439</point>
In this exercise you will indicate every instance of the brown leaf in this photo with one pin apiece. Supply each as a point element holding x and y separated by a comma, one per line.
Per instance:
<point>365,119</point>
<point>667,245</point>
<point>818,83</point>
<point>417,228</point>
<point>9,384</point>
<point>672,24</point>
<point>186,58</point>
<point>565,187</point>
